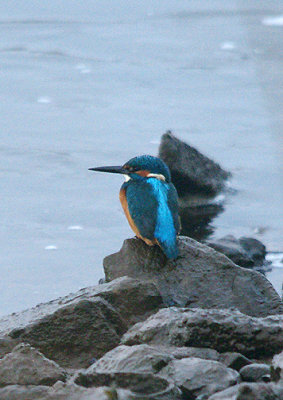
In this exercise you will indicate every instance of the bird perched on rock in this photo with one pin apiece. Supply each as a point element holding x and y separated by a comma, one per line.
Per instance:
<point>150,201</point>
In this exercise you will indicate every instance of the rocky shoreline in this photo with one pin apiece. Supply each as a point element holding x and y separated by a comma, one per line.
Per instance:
<point>200,327</point>
<point>206,326</point>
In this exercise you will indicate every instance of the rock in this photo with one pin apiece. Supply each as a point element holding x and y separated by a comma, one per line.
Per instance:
<point>146,359</point>
<point>197,377</point>
<point>199,277</point>
<point>142,385</point>
<point>6,345</point>
<point>250,391</point>
<point>61,392</point>
<point>76,333</point>
<point>185,352</point>
<point>277,368</point>
<point>18,392</point>
<point>79,327</point>
<point>27,366</point>
<point>234,360</point>
<point>191,171</point>
<point>222,330</point>
<point>254,248</point>
<point>141,358</point>
<point>245,252</point>
<point>255,373</point>
<point>131,297</point>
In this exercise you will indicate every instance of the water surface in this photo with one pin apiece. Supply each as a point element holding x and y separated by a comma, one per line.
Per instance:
<point>96,83</point>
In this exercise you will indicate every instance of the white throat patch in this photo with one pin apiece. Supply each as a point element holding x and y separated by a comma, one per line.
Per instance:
<point>157,176</point>
<point>127,178</point>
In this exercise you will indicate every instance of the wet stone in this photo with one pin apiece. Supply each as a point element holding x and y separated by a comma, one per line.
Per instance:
<point>250,391</point>
<point>277,368</point>
<point>197,377</point>
<point>188,280</point>
<point>255,373</point>
<point>234,360</point>
<point>141,384</point>
<point>245,252</point>
<point>27,366</point>
<point>191,171</point>
<point>141,358</point>
<point>222,330</point>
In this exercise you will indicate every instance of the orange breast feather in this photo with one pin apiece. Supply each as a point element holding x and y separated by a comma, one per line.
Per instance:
<point>123,200</point>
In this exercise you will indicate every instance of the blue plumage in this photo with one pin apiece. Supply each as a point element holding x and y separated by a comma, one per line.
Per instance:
<point>150,201</point>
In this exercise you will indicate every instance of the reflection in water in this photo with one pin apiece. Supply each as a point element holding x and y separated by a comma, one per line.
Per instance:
<point>196,220</point>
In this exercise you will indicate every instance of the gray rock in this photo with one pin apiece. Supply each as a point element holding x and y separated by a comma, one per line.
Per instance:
<point>146,359</point>
<point>234,360</point>
<point>134,299</point>
<point>255,372</point>
<point>222,330</point>
<point>75,334</point>
<point>245,252</point>
<point>141,358</point>
<point>254,248</point>
<point>27,366</point>
<point>142,385</point>
<point>197,377</point>
<point>6,345</point>
<point>61,392</point>
<point>185,352</point>
<point>277,368</point>
<point>199,277</point>
<point>19,392</point>
<point>191,171</point>
<point>250,391</point>
<point>79,327</point>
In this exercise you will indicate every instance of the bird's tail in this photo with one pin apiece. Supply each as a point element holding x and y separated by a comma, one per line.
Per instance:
<point>169,248</point>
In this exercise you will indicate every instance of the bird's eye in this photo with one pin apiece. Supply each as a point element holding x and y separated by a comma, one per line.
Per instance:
<point>130,169</point>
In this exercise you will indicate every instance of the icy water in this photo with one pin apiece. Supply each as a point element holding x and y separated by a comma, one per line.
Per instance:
<point>94,83</point>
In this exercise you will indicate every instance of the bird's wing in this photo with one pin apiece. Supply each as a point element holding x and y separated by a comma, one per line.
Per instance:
<point>173,205</point>
<point>142,205</point>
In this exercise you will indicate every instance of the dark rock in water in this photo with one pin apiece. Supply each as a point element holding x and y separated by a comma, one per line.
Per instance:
<point>142,385</point>
<point>199,277</point>
<point>191,171</point>
<point>81,326</point>
<point>234,360</point>
<point>250,391</point>
<point>246,252</point>
<point>222,330</point>
<point>61,391</point>
<point>196,377</point>
<point>255,372</point>
<point>27,366</point>
<point>277,368</point>
<point>254,248</point>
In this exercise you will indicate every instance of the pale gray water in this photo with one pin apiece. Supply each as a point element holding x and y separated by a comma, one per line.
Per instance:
<point>90,83</point>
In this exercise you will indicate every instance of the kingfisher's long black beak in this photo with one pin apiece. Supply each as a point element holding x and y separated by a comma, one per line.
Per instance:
<point>113,170</point>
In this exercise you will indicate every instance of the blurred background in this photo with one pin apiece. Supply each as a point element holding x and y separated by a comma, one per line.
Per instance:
<point>93,83</point>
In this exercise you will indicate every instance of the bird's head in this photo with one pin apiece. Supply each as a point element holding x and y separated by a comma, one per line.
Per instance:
<point>141,167</point>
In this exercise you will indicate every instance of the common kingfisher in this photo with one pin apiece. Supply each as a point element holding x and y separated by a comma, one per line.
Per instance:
<point>150,201</point>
